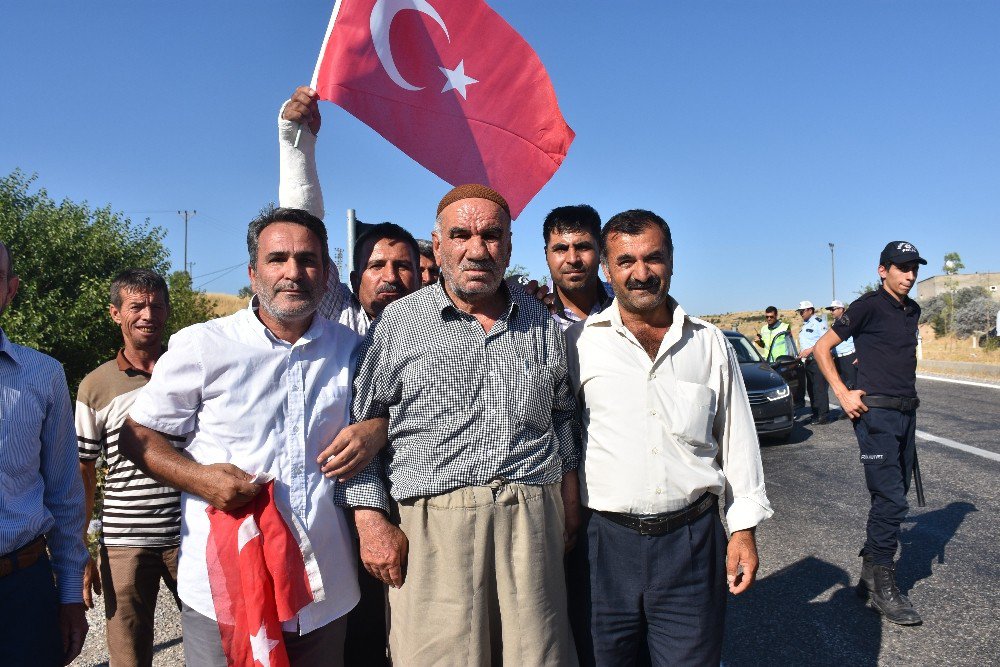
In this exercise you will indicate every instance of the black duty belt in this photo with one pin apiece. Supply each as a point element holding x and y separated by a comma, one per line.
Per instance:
<point>663,523</point>
<point>900,403</point>
<point>24,557</point>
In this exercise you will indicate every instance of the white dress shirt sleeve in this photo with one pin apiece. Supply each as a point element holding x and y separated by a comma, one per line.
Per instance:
<point>746,502</point>
<point>169,403</point>
<point>298,182</point>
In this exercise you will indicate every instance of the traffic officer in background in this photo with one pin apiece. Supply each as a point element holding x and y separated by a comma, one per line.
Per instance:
<point>772,336</point>
<point>883,409</point>
<point>844,355</point>
<point>813,328</point>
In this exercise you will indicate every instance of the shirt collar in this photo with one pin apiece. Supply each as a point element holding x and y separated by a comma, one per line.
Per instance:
<point>444,302</point>
<point>126,366</point>
<point>603,299</point>
<point>250,316</point>
<point>612,317</point>
<point>899,305</point>
<point>7,346</point>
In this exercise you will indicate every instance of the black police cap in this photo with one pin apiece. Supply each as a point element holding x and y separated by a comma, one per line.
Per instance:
<point>900,252</point>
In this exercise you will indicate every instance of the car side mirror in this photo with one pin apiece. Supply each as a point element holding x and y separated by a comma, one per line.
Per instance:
<point>785,359</point>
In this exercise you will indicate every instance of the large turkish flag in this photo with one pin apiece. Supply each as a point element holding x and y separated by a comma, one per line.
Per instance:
<point>452,85</point>
<point>258,572</point>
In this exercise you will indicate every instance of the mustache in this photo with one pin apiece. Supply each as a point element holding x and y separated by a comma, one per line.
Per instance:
<point>388,288</point>
<point>291,285</point>
<point>650,285</point>
<point>478,265</point>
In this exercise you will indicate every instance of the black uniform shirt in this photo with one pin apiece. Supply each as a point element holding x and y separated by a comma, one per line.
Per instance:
<point>885,338</point>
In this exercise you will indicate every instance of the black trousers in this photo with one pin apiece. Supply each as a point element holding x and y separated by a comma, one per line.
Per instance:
<point>29,618</point>
<point>636,598</point>
<point>886,441</point>
<point>847,370</point>
<point>819,394</point>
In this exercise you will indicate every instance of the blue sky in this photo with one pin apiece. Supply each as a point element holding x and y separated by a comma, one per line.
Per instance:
<point>762,131</point>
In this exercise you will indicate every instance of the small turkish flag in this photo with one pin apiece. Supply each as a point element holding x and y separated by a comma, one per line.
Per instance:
<point>258,573</point>
<point>452,85</point>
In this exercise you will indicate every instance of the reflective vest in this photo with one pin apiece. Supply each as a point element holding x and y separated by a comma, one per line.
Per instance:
<point>780,345</point>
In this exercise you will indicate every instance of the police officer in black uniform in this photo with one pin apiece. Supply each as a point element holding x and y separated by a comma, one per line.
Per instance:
<point>883,409</point>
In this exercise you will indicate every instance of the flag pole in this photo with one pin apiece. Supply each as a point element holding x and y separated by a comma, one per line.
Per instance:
<point>352,222</point>
<point>319,60</point>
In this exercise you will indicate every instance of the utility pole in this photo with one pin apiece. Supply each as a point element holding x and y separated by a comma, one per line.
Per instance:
<point>833,274</point>
<point>187,215</point>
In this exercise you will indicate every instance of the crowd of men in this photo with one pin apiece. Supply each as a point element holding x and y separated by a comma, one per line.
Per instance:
<point>474,473</point>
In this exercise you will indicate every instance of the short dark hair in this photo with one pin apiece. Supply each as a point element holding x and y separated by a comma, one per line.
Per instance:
<point>138,280</point>
<point>270,215</point>
<point>579,218</point>
<point>426,249</point>
<point>631,223</point>
<point>376,233</point>
<point>771,309</point>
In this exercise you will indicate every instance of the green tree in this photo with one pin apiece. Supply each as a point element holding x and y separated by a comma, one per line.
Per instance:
<point>66,254</point>
<point>952,263</point>
<point>517,270</point>
<point>245,292</point>
<point>870,287</point>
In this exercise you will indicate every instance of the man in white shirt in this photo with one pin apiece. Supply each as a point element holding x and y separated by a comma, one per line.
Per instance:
<point>667,432</point>
<point>264,392</point>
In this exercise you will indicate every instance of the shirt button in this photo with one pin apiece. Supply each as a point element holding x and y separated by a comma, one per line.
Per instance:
<point>659,491</point>
<point>652,412</point>
<point>295,429</point>
<point>652,376</point>
<point>655,450</point>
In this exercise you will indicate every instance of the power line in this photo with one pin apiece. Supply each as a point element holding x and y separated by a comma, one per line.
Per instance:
<point>228,268</point>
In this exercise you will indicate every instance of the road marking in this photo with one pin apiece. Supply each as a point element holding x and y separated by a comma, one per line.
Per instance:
<point>957,445</point>
<point>968,382</point>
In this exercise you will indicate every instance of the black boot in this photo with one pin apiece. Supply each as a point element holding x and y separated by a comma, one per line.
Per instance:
<point>867,583</point>
<point>884,595</point>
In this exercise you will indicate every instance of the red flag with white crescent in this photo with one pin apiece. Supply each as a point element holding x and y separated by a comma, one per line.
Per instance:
<point>259,573</point>
<point>452,85</point>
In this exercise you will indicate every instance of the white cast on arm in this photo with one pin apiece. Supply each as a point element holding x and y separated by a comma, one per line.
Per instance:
<point>298,182</point>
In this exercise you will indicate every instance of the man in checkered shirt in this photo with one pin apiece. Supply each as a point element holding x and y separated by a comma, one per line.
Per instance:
<point>481,461</point>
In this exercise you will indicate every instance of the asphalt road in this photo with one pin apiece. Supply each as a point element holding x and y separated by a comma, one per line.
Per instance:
<point>803,609</point>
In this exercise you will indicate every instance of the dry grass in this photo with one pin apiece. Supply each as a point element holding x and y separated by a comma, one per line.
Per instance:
<point>226,304</point>
<point>947,348</point>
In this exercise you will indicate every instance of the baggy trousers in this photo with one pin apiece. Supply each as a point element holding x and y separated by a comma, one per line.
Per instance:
<point>886,440</point>
<point>485,582</point>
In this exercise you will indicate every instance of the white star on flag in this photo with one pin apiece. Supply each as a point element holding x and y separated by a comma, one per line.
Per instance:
<point>247,531</point>
<point>457,79</point>
<point>262,645</point>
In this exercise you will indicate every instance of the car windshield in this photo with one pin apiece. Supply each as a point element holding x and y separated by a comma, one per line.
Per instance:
<point>745,352</point>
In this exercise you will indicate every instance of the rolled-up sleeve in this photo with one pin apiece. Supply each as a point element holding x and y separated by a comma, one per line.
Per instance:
<point>63,492</point>
<point>746,503</point>
<point>170,401</point>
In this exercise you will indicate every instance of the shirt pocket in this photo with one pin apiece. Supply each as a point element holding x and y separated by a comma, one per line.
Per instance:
<point>694,414</point>
<point>531,394</point>
<point>20,431</point>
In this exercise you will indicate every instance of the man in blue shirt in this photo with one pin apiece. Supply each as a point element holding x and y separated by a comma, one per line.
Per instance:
<point>813,328</point>
<point>41,622</point>
<point>844,355</point>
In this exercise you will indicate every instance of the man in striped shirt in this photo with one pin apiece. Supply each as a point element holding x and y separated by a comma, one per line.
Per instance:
<point>141,517</point>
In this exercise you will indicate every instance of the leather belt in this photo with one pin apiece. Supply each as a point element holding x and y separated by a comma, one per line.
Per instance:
<point>663,523</point>
<point>24,557</point>
<point>900,403</point>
